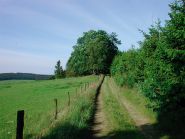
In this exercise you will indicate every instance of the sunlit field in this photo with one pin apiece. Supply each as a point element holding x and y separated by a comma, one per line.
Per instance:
<point>37,99</point>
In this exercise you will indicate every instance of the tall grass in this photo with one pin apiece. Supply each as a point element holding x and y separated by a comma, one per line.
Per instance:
<point>76,122</point>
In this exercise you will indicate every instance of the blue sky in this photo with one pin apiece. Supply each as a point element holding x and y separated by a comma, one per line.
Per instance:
<point>34,34</point>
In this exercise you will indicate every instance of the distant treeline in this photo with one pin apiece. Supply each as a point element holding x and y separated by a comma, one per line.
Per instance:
<point>23,76</point>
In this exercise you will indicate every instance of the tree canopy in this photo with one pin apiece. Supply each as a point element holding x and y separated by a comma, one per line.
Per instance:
<point>158,66</point>
<point>93,53</point>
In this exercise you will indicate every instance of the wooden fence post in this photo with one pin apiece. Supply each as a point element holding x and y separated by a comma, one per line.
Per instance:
<point>20,124</point>
<point>56,108</point>
<point>85,86</point>
<point>68,99</point>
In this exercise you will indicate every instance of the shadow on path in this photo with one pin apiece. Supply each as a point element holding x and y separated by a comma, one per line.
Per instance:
<point>73,132</point>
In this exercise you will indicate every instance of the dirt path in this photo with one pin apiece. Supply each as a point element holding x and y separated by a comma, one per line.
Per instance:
<point>99,123</point>
<point>141,121</point>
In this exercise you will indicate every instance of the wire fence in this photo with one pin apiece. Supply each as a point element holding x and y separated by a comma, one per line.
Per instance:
<point>19,127</point>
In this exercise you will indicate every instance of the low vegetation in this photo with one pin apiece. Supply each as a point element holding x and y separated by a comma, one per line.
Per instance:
<point>37,99</point>
<point>140,102</point>
<point>76,122</point>
<point>120,124</point>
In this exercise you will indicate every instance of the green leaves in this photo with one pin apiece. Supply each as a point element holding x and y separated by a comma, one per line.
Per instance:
<point>93,53</point>
<point>158,66</point>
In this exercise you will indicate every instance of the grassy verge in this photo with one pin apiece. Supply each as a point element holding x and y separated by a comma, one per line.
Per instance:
<point>37,99</point>
<point>75,123</point>
<point>120,125</point>
<point>140,103</point>
<point>138,100</point>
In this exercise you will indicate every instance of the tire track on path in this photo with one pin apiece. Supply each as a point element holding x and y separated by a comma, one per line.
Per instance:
<point>141,121</point>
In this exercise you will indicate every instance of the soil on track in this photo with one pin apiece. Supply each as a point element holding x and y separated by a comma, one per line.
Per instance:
<point>141,121</point>
<point>99,125</point>
<point>98,122</point>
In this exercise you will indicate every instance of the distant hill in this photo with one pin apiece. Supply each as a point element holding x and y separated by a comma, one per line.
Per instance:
<point>23,76</point>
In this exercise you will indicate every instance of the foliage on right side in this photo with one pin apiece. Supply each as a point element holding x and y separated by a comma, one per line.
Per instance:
<point>158,66</point>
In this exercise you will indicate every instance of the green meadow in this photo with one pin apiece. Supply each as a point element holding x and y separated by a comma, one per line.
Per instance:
<point>37,99</point>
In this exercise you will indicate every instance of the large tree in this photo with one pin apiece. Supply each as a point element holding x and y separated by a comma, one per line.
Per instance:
<point>93,53</point>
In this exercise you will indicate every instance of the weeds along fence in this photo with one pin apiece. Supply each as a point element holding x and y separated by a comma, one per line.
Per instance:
<point>21,128</point>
